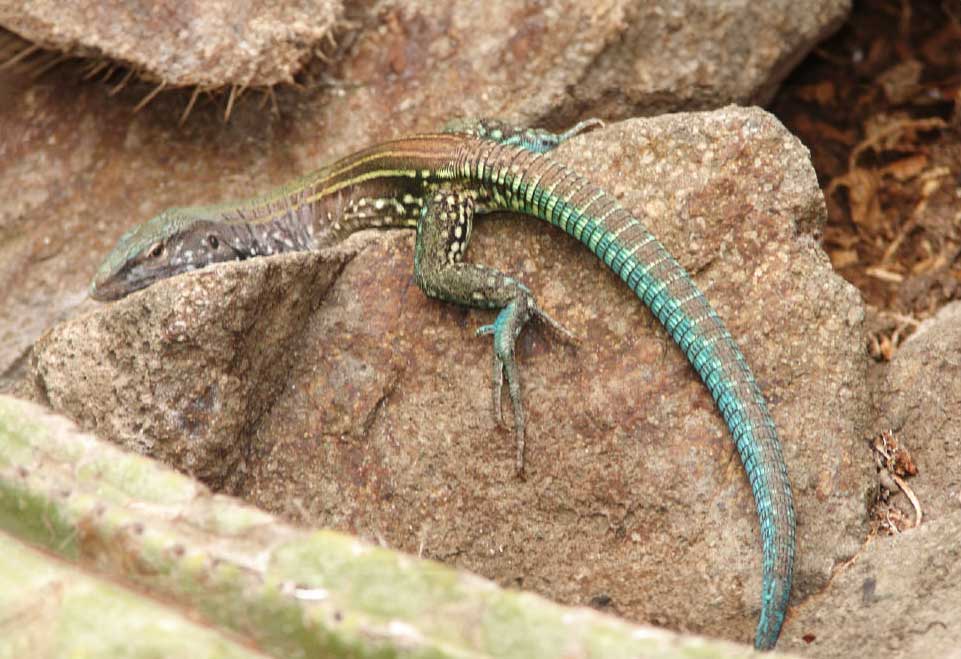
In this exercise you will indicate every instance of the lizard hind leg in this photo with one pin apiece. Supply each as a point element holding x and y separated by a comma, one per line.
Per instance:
<point>442,236</point>
<point>537,140</point>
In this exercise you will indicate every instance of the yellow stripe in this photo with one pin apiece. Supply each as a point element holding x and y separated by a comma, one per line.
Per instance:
<point>355,163</point>
<point>384,173</point>
<point>385,150</point>
<point>360,178</point>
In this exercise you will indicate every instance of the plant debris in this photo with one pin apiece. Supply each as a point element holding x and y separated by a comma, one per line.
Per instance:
<point>879,105</point>
<point>894,465</point>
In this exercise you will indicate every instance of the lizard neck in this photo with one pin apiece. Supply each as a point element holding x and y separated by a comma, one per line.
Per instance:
<point>292,230</point>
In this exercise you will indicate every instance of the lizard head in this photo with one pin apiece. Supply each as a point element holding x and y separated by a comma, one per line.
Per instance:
<point>175,241</point>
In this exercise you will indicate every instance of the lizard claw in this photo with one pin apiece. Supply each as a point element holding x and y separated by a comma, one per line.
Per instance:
<point>581,127</point>
<point>545,319</point>
<point>509,370</point>
<point>505,329</point>
<point>498,388</point>
<point>557,329</point>
<point>500,369</point>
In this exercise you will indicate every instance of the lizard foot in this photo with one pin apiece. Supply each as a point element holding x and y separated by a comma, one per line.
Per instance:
<point>537,140</point>
<point>505,329</point>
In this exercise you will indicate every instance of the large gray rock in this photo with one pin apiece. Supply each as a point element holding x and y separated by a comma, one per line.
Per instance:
<point>696,54</point>
<point>376,416</point>
<point>187,372</point>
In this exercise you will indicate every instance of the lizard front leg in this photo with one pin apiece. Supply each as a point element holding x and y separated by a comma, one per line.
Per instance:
<point>537,140</point>
<point>442,236</point>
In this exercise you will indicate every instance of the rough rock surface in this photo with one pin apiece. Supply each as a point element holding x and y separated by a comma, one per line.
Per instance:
<point>900,597</point>
<point>381,424</point>
<point>175,569</point>
<point>193,42</point>
<point>190,369</point>
<point>618,54</point>
<point>695,54</point>
<point>77,167</point>
<point>920,400</point>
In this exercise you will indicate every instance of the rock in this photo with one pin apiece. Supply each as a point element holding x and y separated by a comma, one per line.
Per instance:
<point>203,43</point>
<point>690,54</point>
<point>623,56</point>
<point>89,531</point>
<point>919,399</point>
<point>900,598</point>
<point>551,63</point>
<point>187,371</point>
<point>79,168</point>
<point>375,418</point>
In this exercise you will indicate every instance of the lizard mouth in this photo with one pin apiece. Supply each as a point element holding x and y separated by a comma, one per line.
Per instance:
<point>107,287</point>
<point>104,292</point>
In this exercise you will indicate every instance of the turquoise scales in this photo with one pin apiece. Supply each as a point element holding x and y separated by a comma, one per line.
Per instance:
<point>534,185</point>
<point>444,178</point>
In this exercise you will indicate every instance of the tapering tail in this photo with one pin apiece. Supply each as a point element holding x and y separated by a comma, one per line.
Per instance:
<point>536,185</point>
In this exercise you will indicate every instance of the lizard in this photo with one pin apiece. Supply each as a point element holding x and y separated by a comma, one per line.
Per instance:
<point>436,183</point>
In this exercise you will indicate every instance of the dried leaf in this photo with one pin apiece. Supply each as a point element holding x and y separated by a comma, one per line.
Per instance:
<point>841,258</point>
<point>884,275</point>
<point>822,93</point>
<point>863,185</point>
<point>886,132</point>
<point>907,168</point>
<point>901,81</point>
<point>827,131</point>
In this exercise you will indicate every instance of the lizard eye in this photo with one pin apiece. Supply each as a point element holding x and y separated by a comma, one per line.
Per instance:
<point>213,241</point>
<point>156,251</point>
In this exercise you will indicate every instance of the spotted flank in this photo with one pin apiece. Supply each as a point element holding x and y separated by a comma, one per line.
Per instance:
<point>454,211</point>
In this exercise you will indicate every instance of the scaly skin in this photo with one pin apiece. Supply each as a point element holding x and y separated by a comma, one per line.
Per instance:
<point>436,183</point>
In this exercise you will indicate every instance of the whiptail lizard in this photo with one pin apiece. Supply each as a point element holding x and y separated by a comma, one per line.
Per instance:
<point>436,183</point>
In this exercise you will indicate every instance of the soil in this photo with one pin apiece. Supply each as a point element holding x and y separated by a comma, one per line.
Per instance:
<point>879,107</point>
